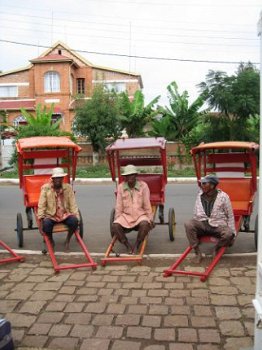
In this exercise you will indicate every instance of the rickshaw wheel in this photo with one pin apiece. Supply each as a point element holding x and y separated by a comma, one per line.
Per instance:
<point>112,218</point>
<point>246,223</point>
<point>161,213</point>
<point>256,231</point>
<point>171,223</point>
<point>19,230</point>
<point>81,225</point>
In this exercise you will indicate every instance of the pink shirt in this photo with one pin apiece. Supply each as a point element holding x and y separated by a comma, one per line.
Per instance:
<point>133,205</point>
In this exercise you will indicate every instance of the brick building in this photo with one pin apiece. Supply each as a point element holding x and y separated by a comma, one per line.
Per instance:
<point>59,76</point>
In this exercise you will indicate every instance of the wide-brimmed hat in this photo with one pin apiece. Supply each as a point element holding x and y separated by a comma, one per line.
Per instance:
<point>129,170</point>
<point>58,172</point>
<point>210,179</point>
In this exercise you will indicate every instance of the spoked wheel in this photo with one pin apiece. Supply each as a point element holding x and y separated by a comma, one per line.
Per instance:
<point>19,230</point>
<point>161,213</point>
<point>171,223</point>
<point>29,217</point>
<point>112,218</point>
<point>256,231</point>
<point>246,223</point>
<point>81,225</point>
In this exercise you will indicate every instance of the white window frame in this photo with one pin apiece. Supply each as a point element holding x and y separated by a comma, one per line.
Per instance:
<point>8,91</point>
<point>52,82</point>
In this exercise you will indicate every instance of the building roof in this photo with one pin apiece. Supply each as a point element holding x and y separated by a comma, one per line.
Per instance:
<point>52,58</point>
<point>17,104</point>
<point>47,56</point>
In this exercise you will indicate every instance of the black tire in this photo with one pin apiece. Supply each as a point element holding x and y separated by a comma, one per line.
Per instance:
<point>112,218</point>
<point>19,230</point>
<point>161,213</point>
<point>246,223</point>
<point>81,225</point>
<point>256,231</point>
<point>171,223</point>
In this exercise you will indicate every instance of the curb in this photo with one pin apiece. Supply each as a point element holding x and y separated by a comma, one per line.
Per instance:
<point>146,256</point>
<point>92,181</point>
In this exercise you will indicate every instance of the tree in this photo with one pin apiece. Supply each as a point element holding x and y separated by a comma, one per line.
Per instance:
<point>40,124</point>
<point>97,119</point>
<point>180,117</point>
<point>235,98</point>
<point>134,115</point>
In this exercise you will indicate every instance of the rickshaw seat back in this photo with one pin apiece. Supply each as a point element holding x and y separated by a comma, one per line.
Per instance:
<point>156,185</point>
<point>240,192</point>
<point>32,187</point>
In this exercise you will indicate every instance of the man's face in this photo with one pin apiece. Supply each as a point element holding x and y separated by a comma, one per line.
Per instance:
<point>131,180</point>
<point>207,187</point>
<point>57,181</point>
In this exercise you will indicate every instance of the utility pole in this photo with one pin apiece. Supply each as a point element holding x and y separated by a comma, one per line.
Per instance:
<point>257,302</point>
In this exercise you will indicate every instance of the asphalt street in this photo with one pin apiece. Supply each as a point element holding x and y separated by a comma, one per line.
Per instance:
<point>95,203</point>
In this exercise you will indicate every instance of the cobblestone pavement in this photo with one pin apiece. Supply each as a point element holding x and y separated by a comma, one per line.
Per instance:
<point>120,307</point>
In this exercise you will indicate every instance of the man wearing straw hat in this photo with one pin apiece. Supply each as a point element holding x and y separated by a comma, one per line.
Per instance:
<point>133,209</point>
<point>57,204</point>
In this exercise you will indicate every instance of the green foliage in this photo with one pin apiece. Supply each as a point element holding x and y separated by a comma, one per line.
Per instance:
<point>39,124</point>
<point>97,118</point>
<point>180,117</point>
<point>253,126</point>
<point>134,115</point>
<point>235,98</point>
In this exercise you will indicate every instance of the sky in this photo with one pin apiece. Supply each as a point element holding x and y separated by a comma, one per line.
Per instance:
<point>163,40</point>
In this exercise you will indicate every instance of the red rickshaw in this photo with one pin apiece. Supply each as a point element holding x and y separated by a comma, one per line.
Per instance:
<point>37,156</point>
<point>149,155</point>
<point>235,164</point>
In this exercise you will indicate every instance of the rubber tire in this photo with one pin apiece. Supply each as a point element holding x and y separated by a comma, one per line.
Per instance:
<point>81,225</point>
<point>112,218</point>
<point>256,232</point>
<point>19,230</point>
<point>171,223</point>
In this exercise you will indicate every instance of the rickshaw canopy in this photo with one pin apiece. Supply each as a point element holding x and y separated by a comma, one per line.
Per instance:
<point>46,142</point>
<point>245,146</point>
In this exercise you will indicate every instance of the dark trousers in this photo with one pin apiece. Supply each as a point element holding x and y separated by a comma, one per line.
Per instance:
<point>195,229</point>
<point>71,222</point>
<point>120,232</point>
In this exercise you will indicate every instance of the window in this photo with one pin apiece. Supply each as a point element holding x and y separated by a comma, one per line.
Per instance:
<point>52,82</point>
<point>20,120</point>
<point>8,91</point>
<point>80,85</point>
<point>117,87</point>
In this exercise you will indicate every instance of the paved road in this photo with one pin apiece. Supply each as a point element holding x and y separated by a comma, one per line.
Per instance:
<point>96,202</point>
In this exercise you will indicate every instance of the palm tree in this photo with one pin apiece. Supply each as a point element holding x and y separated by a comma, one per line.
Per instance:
<point>182,115</point>
<point>134,115</point>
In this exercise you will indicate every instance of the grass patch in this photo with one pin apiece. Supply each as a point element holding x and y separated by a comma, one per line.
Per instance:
<point>102,171</point>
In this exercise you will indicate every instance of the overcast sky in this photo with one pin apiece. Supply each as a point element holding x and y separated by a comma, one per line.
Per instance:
<point>163,40</point>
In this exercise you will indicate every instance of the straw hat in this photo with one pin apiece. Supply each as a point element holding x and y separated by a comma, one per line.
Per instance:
<point>129,170</point>
<point>58,172</point>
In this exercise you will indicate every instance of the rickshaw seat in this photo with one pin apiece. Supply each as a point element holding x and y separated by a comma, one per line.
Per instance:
<point>32,187</point>
<point>239,191</point>
<point>156,186</point>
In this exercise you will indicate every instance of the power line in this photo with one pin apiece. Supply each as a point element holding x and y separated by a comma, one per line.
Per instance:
<point>132,56</point>
<point>122,31</point>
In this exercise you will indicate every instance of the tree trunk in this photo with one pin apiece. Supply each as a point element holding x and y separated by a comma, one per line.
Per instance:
<point>95,158</point>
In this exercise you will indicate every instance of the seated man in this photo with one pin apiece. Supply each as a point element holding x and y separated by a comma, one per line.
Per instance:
<point>213,216</point>
<point>57,204</point>
<point>133,209</point>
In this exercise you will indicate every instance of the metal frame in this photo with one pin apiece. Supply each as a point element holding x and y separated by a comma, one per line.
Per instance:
<point>200,159</point>
<point>15,257</point>
<point>65,152</point>
<point>116,159</point>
